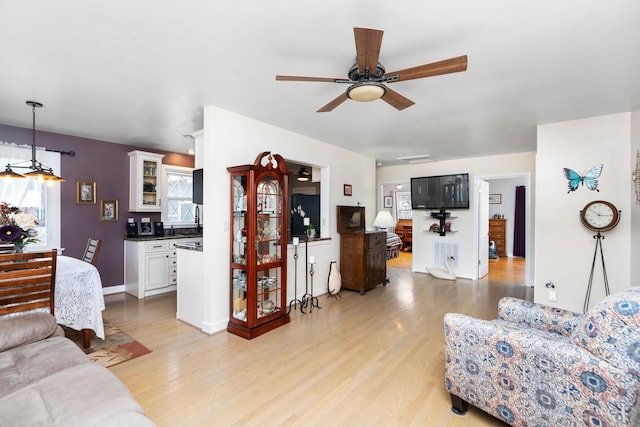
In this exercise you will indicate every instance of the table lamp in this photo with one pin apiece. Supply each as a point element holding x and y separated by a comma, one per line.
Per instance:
<point>384,220</point>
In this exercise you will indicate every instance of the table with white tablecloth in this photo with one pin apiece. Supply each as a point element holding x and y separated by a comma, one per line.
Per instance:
<point>78,295</point>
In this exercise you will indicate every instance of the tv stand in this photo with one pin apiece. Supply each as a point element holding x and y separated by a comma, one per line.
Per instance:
<point>442,215</point>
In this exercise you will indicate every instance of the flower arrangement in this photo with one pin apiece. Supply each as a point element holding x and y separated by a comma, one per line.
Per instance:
<point>17,227</point>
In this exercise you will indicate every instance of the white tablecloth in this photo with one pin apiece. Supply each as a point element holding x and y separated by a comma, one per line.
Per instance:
<point>78,296</point>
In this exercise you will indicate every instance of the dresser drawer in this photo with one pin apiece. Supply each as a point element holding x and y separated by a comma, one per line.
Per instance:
<point>376,240</point>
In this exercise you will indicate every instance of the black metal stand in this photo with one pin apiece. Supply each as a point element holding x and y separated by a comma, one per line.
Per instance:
<point>308,298</point>
<point>598,238</point>
<point>295,299</point>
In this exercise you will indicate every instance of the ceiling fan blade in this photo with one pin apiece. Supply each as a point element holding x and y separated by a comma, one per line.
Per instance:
<point>396,100</point>
<point>333,104</point>
<point>452,65</point>
<point>368,44</point>
<point>309,79</point>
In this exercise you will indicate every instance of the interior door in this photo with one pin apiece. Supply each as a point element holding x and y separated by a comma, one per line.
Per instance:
<point>483,229</point>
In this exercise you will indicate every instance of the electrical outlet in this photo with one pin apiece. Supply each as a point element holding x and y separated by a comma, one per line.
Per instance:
<point>552,295</point>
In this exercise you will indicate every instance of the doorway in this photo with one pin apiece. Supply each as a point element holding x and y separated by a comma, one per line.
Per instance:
<point>395,197</point>
<point>500,225</point>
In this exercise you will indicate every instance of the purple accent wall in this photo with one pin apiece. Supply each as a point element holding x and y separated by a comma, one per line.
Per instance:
<point>107,164</point>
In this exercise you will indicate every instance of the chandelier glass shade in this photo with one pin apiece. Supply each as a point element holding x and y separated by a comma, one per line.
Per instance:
<point>38,170</point>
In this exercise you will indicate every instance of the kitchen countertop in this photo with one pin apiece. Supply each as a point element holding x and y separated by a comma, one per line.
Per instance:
<point>175,236</point>
<point>191,246</point>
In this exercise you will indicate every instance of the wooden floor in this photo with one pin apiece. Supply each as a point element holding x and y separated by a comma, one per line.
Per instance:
<point>372,360</point>
<point>502,269</point>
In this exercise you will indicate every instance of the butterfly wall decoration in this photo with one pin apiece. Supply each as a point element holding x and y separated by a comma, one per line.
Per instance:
<point>590,178</point>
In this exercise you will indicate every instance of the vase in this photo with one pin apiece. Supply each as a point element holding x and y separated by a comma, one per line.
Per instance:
<point>18,248</point>
<point>335,280</point>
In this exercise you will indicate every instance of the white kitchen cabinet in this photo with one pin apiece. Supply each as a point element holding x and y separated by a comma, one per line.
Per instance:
<point>150,266</point>
<point>145,181</point>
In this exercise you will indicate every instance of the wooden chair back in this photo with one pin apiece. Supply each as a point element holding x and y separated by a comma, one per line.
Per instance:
<point>27,281</point>
<point>6,249</point>
<point>91,251</point>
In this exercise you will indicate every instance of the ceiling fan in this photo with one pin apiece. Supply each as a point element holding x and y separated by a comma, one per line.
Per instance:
<point>368,78</point>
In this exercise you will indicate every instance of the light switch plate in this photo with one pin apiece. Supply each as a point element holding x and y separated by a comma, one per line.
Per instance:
<point>553,296</point>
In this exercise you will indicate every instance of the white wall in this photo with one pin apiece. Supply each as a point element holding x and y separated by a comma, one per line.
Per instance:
<point>564,247</point>
<point>465,223</point>
<point>634,253</point>
<point>230,140</point>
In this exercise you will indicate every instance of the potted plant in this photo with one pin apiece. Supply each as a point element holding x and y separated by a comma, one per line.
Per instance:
<point>311,230</point>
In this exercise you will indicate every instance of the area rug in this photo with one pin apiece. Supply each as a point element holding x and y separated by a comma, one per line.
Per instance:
<point>117,346</point>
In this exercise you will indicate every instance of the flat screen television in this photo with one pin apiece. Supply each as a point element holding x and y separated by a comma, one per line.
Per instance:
<point>440,192</point>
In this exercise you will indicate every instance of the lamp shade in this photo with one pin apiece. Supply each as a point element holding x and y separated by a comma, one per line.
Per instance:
<point>384,220</point>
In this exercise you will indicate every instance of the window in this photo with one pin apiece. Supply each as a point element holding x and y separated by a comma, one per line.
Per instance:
<point>42,200</point>
<point>179,209</point>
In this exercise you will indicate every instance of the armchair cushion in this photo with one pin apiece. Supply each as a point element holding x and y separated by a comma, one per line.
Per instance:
<point>25,328</point>
<point>538,365</point>
<point>539,316</point>
<point>611,330</point>
<point>528,378</point>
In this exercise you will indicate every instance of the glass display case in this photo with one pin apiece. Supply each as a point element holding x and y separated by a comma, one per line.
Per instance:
<point>258,246</point>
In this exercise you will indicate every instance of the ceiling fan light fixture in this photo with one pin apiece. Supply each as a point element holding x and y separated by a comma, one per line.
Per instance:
<point>366,91</point>
<point>303,175</point>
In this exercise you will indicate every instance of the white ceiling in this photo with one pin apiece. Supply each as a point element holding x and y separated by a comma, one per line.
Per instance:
<point>139,72</point>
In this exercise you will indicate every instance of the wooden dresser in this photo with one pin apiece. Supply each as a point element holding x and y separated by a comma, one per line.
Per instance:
<point>498,233</point>
<point>363,260</point>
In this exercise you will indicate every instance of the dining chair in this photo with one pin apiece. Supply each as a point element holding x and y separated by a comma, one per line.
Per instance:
<point>92,250</point>
<point>27,281</point>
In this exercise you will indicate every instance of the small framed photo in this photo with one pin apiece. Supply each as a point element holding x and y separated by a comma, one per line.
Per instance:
<point>85,192</point>
<point>495,199</point>
<point>347,190</point>
<point>108,209</point>
<point>388,201</point>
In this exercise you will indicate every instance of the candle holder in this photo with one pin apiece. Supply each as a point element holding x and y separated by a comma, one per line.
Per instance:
<point>308,298</point>
<point>295,299</point>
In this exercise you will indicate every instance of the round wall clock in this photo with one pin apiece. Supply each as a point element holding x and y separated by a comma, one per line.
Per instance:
<point>600,215</point>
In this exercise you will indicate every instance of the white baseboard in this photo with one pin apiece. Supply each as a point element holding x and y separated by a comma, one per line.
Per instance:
<point>110,290</point>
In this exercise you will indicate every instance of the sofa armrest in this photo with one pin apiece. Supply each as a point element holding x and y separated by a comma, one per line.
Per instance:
<point>26,328</point>
<point>539,316</point>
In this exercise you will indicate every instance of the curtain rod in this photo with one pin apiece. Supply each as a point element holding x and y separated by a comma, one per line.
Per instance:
<point>68,153</point>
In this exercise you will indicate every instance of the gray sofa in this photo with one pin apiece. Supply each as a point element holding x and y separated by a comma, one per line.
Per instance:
<point>46,380</point>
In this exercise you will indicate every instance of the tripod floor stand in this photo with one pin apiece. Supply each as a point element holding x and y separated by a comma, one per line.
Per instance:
<point>598,238</point>
<point>308,298</point>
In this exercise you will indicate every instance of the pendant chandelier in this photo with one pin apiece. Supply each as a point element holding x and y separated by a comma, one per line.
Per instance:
<point>38,171</point>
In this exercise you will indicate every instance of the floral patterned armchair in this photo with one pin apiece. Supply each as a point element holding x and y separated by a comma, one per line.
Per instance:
<point>542,366</point>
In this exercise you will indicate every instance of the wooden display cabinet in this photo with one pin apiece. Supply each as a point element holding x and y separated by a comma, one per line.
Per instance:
<point>259,224</point>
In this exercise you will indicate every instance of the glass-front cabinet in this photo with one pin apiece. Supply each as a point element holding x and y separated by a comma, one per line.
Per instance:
<point>145,181</point>
<point>258,246</point>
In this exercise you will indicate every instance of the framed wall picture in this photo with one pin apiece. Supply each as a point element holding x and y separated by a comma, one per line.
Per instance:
<point>108,209</point>
<point>388,201</point>
<point>85,192</point>
<point>495,199</point>
<point>348,190</point>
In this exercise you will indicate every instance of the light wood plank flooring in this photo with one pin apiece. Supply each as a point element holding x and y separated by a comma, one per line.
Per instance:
<point>372,360</point>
